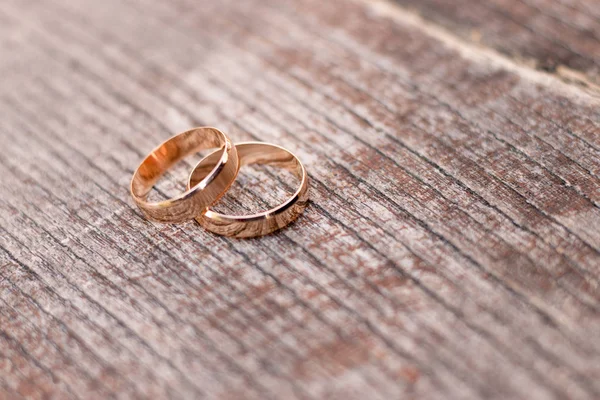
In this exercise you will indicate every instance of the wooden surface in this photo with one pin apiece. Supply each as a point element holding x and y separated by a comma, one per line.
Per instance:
<point>451,249</point>
<point>560,36</point>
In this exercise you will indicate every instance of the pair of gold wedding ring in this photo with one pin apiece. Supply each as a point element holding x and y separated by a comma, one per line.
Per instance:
<point>211,178</point>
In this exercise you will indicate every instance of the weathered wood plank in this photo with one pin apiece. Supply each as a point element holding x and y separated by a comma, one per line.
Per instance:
<point>452,247</point>
<point>561,36</point>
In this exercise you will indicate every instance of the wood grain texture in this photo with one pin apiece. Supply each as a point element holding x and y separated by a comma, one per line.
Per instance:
<point>561,36</point>
<point>451,248</point>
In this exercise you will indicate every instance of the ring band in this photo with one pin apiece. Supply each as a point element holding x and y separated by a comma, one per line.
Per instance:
<point>263,223</point>
<point>197,198</point>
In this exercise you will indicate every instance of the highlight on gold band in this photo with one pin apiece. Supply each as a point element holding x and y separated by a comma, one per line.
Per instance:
<point>246,226</point>
<point>199,196</point>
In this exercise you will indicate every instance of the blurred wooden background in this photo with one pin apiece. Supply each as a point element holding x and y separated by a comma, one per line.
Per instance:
<point>451,249</point>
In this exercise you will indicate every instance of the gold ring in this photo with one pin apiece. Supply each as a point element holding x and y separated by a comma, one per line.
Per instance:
<point>197,198</point>
<point>246,226</point>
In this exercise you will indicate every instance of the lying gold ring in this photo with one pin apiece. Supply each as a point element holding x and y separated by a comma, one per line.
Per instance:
<point>197,198</point>
<point>246,226</point>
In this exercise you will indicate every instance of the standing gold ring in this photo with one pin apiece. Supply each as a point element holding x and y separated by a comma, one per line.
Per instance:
<point>199,196</point>
<point>246,226</point>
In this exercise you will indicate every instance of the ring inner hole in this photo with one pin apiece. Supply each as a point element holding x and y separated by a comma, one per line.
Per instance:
<point>173,182</point>
<point>258,188</point>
